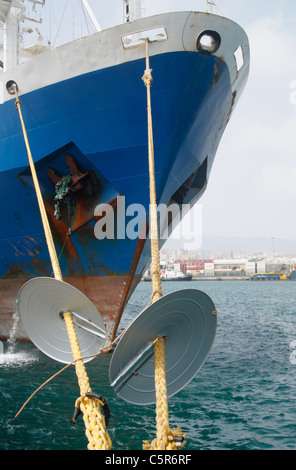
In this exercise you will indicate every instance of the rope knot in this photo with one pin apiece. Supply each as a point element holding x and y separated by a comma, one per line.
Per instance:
<point>147,77</point>
<point>171,440</point>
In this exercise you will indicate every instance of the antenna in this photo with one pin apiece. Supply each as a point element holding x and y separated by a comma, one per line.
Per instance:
<point>209,6</point>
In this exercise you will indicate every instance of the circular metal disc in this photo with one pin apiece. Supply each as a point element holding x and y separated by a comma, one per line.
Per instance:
<point>188,319</point>
<point>39,304</point>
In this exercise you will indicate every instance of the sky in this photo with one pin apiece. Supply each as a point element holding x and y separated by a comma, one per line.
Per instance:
<point>252,187</point>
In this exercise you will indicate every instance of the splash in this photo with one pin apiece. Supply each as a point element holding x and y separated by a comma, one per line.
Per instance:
<point>17,359</point>
<point>9,356</point>
<point>12,337</point>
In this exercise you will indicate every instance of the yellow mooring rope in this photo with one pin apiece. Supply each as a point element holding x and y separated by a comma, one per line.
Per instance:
<point>165,438</point>
<point>89,405</point>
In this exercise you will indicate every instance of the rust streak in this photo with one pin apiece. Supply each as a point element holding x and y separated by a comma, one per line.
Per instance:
<point>126,290</point>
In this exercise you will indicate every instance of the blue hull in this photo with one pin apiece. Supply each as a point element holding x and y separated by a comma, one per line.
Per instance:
<point>100,119</point>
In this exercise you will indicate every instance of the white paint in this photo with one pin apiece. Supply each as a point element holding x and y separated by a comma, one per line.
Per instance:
<point>77,58</point>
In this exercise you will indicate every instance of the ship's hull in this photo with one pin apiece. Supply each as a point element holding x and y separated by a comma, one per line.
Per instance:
<point>95,112</point>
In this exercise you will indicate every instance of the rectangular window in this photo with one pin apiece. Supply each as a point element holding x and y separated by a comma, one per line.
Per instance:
<point>239,57</point>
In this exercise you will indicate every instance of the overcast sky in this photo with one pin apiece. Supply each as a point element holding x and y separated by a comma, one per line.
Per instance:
<point>252,188</point>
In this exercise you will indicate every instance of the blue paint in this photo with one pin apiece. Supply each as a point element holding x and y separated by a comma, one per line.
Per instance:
<point>102,117</point>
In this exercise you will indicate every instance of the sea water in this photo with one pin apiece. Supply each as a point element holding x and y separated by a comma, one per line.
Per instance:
<point>243,398</point>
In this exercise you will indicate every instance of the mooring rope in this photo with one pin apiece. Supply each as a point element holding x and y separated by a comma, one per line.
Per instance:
<point>165,438</point>
<point>90,406</point>
<point>103,350</point>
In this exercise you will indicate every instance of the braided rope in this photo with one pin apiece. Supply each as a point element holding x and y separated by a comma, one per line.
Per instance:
<point>155,260</point>
<point>94,421</point>
<point>164,436</point>
<point>162,410</point>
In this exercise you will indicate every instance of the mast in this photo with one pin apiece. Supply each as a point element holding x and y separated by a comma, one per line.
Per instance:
<point>133,10</point>
<point>91,15</point>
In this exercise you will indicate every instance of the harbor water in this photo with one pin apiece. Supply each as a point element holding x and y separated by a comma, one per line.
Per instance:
<point>243,398</point>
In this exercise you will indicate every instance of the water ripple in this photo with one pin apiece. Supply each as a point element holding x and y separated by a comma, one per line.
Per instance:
<point>243,397</point>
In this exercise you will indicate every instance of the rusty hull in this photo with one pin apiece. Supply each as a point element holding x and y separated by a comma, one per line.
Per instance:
<point>108,293</point>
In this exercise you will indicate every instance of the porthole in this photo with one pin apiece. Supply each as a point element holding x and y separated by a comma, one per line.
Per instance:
<point>208,42</point>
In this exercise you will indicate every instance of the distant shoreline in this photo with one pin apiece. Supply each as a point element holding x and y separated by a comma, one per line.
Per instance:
<point>217,278</point>
<point>212,278</point>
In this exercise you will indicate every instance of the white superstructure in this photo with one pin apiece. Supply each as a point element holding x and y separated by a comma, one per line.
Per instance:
<point>13,14</point>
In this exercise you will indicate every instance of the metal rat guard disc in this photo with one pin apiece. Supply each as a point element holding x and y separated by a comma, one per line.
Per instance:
<point>187,318</point>
<point>40,303</point>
